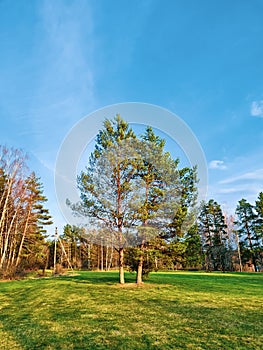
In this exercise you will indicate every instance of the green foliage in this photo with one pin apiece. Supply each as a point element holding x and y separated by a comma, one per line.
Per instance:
<point>132,187</point>
<point>114,132</point>
<point>22,215</point>
<point>248,226</point>
<point>40,215</point>
<point>184,216</point>
<point>105,185</point>
<point>150,259</point>
<point>193,257</point>
<point>212,229</point>
<point>34,253</point>
<point>133,191</point>
<point>259,218</point>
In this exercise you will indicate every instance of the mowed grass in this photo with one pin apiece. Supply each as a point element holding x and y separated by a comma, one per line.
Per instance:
<point>89,310</point>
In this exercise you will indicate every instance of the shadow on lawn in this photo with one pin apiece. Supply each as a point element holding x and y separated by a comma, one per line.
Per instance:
<point>94,277</point>
<point>195,282</point>
<point>41,314</point>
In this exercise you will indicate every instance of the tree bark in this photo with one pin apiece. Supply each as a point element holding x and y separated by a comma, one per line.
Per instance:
<point>239,253</point>
<point>120,226</point>
<point>139,269</point>
<point>7,239</point>
<point>106,257</point>
<point>23,236</point>
<point>251,247</point>
<point>111,257</point>
<point>121,265</point>
<point>89,262</point>
<point>140,264</point>
<point>101,255</point>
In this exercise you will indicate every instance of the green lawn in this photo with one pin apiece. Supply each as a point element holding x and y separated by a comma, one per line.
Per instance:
<point>89,310</point>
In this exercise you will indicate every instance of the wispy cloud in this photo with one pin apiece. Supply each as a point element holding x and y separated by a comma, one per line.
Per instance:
<point>253,175</point>
<point>69,41</point>
<point>67,72</point>
<point>228,194</point>
<point>244,189</point>
<point>217,164</point>
<point>65,85</point>
<point>256,109</point>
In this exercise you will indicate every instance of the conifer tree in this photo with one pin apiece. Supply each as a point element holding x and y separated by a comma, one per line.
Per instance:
<point>106,185</point>
<point>259,218</point>
<point>155,168</point>
<point>193,253</point>
<point>246,230</point>
<point>212,229</point>
<point>246,227</point>
<point>35,218</point>
<point>259,227</point>
<point>22,214</point>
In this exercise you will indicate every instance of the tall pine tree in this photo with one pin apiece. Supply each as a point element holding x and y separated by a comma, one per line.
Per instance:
<point>106,185</point>
<point>246,228</point>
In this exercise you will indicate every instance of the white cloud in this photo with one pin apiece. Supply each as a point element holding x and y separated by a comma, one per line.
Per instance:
<point>256,109</point>
<point>217,164</point>
<point>68,45</point>
<point>229,190</point>
<point>240,188</point>
<point>253,175</point>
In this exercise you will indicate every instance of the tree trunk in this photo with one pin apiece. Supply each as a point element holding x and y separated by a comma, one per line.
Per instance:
<point>98,257</point>
<point>120,226</point>
<point>23,236</point>
<point>101,256</point>
<point>106,257</point>
<point>7,240</point>
<point>89,263</point>
<point>111,257</point>
<point>140,264</point>
<point>121,265</point>
<point>4,208</point>
<point>251,248</point>
<point>139,270</point>
<point>239,254</point>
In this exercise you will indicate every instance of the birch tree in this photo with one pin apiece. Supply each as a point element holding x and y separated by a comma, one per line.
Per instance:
<point>22,214</point>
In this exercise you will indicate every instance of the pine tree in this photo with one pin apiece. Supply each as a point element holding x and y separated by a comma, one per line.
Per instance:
<point>193,253</point>
<point>32,246</point>
<point>259,227</point>
<point>22,215</point>
<point>246,228</point>
<point>153,169</point>
<point>212,228</point>
<point>106,186</point>
<point>72,239</point>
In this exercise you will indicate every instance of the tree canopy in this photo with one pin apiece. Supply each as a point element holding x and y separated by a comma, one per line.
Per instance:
<point>132,187</point>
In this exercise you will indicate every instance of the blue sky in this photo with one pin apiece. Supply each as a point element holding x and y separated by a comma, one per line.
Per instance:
<point>202,60</point>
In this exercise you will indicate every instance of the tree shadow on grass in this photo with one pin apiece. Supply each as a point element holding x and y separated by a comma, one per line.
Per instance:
<point>195,282</point>
<point>41,314</point>
<point>95,277</point>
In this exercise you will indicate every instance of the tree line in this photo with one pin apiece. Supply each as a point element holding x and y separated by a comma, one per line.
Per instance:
<point>22,215</point>
<point>138,210</point>
<point>215,242</point>
<point>137,200</point>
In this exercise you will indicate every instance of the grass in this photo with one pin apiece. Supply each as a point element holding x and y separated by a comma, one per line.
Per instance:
<point>89,310</point>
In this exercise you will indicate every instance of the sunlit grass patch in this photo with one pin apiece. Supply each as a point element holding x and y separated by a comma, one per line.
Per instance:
<point>7,341</point>
<point>90,310</point>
